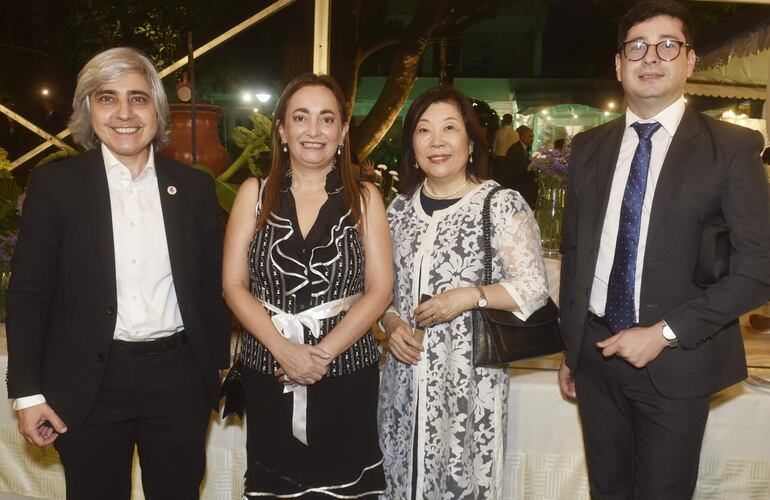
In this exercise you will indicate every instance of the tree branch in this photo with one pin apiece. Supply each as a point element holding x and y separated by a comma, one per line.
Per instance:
<point>363,54</point>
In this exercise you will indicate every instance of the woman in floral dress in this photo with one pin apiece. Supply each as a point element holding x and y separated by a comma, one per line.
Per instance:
<point>442,420</point>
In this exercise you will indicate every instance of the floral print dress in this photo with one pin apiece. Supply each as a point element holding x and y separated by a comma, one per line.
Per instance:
<point>442,422</point>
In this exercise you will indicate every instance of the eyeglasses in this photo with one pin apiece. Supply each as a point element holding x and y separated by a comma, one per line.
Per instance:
<point>667,50</point>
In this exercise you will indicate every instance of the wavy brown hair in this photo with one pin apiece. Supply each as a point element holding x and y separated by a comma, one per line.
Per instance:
<point>412,177</point>
<point>280,162</point>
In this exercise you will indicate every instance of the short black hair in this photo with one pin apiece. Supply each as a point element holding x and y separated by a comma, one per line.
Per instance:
<point>507,118</point>
<point>523,128</point>
<point>412,177</point>
<point>766,156</point>
<point>647,9</point>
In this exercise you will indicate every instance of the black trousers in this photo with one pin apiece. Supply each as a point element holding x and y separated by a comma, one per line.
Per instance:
<point>157,403</point>
<point>639,444</point>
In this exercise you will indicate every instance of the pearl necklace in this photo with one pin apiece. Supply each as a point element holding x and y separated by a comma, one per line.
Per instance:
<point>433,195</point>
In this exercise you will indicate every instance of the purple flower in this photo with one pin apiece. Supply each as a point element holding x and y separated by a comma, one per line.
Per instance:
<point>551,163</point>
<point>7,244</point>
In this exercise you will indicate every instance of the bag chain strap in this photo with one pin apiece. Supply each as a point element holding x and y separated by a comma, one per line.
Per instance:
<point>486,229</point>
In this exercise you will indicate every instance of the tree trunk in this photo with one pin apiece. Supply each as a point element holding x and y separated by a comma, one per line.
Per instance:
<point>401,77</point>
<point>446,72</point>
<point>346,20</point>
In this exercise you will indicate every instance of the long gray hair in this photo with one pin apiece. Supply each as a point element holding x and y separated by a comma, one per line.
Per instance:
<point>106,67</point>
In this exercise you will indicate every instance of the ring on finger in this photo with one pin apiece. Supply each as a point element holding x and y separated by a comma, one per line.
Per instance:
<point>432,318</point>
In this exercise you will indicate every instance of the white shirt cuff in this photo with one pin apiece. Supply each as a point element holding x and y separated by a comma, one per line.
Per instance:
<point>27,401</point>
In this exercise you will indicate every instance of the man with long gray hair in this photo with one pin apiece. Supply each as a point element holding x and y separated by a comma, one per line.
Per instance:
<point>116,323</point>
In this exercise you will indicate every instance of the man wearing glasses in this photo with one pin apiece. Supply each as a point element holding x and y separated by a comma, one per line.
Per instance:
<point>649,308</point>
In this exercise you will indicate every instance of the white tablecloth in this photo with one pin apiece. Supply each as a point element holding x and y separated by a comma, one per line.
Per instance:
<point>544,454</point>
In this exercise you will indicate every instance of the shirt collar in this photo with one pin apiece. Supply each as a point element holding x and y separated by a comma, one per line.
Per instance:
<point>669,118</point>
<point>111,163</point>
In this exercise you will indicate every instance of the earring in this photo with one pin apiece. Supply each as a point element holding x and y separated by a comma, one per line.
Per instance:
<point>470,158</point>
<point>339,150</point>
<point>285,147</point>
<point>416,165</point>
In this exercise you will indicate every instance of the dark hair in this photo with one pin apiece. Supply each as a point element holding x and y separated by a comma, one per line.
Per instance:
<point>507,118</point>
<point>413,177</point>
<point>766,156</point>
<point>280,162</point>
<point>523,128</point>
<point>648,9</point>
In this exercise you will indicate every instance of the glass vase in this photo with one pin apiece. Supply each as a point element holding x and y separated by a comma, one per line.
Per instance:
<point>549,210</point>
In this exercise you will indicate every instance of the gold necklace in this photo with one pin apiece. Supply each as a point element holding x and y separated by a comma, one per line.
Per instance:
<point>430,192</point>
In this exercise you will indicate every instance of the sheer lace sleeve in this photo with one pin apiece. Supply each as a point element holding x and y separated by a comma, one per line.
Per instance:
<point>517,242</point>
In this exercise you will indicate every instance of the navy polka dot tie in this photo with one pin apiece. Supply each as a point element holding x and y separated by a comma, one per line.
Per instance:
<point>620,311</point>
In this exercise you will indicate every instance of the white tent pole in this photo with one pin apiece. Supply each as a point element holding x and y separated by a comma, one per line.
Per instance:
<point>766,107</point>
<point>34,128</point>
<point>321,36</point>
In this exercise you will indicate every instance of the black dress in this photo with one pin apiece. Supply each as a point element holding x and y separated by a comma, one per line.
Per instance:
<point>342,458</point>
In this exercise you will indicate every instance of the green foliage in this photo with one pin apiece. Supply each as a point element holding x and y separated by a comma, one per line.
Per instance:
<point>254,141</point>
<point>57,155</point>
<point>9,196</point>
<point>226,192</point>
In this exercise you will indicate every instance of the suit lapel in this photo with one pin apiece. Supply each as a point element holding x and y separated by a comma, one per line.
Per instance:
<point>679,151</point>
<point>172,202</point>
<point>607,159</point>
<point>100,213</point>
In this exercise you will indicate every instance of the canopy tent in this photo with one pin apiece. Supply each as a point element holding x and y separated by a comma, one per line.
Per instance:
<point>494,91</point>
<point>738,68</point>
<point>564,121</point>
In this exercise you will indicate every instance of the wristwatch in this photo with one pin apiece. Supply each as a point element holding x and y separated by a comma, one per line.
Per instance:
<point>482,302</point>
<point>669,335</point>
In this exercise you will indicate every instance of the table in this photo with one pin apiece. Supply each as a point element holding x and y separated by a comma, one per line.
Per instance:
<point>544,453</point>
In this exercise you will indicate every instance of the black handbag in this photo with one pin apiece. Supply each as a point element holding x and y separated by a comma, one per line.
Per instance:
<point>232,389</point>
<point>499,336</point>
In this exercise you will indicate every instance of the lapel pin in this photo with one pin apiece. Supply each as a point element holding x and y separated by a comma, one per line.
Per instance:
<point>171,190</point>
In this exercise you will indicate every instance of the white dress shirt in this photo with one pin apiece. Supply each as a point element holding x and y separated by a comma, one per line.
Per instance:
<point>669,119</point>
<point>147,303</point>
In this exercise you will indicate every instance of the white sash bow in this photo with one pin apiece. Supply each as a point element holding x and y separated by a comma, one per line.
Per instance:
<point>291,327</point>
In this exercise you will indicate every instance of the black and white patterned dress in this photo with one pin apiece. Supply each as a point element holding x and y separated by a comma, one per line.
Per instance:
<point>342,458</point>
<point>442,421</point>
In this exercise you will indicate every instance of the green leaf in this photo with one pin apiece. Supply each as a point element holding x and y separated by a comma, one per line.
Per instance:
<point>204,168</point>
<point>226,192</point>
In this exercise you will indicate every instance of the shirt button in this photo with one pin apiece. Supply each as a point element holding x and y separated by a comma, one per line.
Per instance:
<point>133,261</point>
<point>110,310</point>
<point>133,297</point>
<point>304,251</point>
<point>100,358</point>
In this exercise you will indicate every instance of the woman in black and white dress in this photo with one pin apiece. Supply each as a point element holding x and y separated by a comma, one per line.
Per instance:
<point>306,285</point>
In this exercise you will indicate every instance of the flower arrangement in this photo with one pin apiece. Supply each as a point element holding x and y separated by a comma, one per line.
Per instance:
<point>550,163</point>
<point>384,178</point>
<point>9,224</point>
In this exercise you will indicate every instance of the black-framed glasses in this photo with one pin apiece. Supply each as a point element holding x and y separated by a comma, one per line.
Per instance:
<point>667,50</point>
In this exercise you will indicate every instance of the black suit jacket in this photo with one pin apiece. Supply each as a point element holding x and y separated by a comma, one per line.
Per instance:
<point>511,171</point>
<point>712,172</point>
<point>62,299</point>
